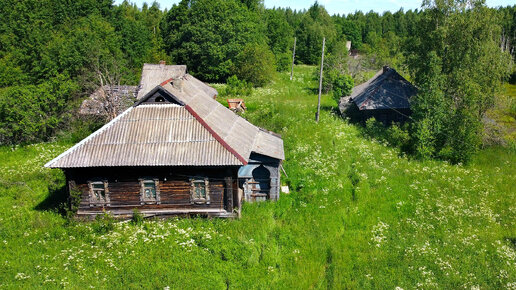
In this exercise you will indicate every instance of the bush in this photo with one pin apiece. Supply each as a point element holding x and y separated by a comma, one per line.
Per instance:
<point>137,218</point>
<point>396,135</point>
<point>283,62</point>
<point>33,113</point>
<point>74,200</point>
<point>236,87</point>
<point>255,64</point>
<point>104,223</point>
<point>342,86</point>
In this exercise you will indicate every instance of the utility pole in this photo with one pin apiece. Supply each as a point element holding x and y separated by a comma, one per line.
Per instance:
<point>320,83</point>
<point>293,57</point>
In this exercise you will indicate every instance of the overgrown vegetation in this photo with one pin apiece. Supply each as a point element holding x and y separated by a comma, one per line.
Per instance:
<point>359,215</point>
<point>458,66</point>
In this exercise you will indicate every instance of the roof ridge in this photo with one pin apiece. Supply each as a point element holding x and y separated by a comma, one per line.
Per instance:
<point>215,135</point>
<point>91,136</point>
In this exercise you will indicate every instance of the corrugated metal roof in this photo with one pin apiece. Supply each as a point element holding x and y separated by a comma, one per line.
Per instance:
<point>237,132</point>
<point>154,74</point>
<point>386,90</point>
<point>148,135</point>
<point>201,133</point>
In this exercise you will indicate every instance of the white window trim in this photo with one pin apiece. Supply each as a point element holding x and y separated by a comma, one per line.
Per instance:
<point>92,199</point>
<point>206,190</point>
<point>143,199</point>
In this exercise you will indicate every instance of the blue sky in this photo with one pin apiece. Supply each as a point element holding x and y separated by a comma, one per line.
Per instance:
<point>337,6</point>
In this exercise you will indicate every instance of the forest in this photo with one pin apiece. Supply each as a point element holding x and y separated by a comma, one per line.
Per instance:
<point>55,53</point>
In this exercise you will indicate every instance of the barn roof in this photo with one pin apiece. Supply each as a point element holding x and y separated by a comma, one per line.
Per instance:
<point>386,90</point>
<point>196,131</point>
<point>155,74</point>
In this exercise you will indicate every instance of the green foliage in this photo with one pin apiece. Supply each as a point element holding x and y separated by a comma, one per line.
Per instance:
<point>30,113</point>
<point>456,61</point>
<point>342,85</point>
<point>74,200</point>
<point>137,218</point>
<point>104,223</point>
<point>255,64</point>
<point>207,35</point>
<point>283,61</point>
<point>51,52</point>
<point>315,25</point>
<point>237,88</point>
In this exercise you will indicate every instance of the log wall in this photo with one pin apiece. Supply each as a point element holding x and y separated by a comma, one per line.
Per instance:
<point>173,184</point>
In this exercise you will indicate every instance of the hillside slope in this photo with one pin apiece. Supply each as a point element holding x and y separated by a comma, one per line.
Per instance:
<point>359,216</point>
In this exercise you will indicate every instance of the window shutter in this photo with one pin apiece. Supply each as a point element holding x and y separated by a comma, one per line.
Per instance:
<point>106,192</point>
<point>142,192</point>
<point>192,191</point>
<point>90,186</point>
<point>156,184</point>
<point>207,190</point>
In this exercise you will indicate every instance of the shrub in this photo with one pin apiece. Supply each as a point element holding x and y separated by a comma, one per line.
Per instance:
<point>342,85</point>
<point>236,87</point>
<point>283,62</point>
<point>137,218</point>
<point>74,200</point>
<point>104,223</point>
<point>255,64</point>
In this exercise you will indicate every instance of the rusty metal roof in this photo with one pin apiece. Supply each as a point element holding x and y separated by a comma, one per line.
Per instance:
<point>148,135</point>
<point>386,90</point>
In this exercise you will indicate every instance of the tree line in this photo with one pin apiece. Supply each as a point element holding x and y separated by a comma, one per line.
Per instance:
<point>54,52</point>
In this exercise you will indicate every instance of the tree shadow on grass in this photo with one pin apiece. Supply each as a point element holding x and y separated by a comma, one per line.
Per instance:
<point>55,201</point>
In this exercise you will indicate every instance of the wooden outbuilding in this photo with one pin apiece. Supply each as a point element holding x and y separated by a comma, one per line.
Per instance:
<point>386,97</point>
<point>176,151</point>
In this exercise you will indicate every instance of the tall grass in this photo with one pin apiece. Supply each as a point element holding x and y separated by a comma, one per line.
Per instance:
<point>360,215</point>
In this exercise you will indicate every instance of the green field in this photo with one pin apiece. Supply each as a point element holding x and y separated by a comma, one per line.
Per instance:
<point>400,223</point>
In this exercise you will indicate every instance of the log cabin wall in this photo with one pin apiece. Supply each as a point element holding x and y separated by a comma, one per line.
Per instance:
<point>173,183</point>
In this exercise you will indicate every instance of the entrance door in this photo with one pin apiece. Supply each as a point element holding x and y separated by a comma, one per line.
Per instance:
<point>260,184</point>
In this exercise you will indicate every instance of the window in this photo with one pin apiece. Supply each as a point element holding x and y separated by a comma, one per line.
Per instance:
<point>149,191</point>
<point>200,191</point>
<point>99,193</point>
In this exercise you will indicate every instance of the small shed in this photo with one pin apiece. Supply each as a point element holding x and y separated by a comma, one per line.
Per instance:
<point>386,97</point>
<point>176,151</point>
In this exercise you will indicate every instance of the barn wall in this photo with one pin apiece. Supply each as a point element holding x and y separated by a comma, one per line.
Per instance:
<point>174,186</point>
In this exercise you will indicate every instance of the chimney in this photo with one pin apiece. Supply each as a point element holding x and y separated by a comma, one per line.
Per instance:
<point>386,68</point>
<point>162,62</point>
<point>178,84</point>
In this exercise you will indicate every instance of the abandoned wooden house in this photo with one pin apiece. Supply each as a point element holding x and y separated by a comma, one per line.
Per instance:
<point>386,97</point>
<point>176,151</point>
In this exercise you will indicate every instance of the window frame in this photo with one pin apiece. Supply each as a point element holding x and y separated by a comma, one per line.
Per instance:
<point>143,198</point>
<point>93,200</point>
<point>206,183</point>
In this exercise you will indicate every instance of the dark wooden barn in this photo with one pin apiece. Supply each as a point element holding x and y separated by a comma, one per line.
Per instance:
<point>386,97</point>
<point>177,151</point>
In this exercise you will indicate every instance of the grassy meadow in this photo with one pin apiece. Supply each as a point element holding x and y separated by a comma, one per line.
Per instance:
<point>359,215</point>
